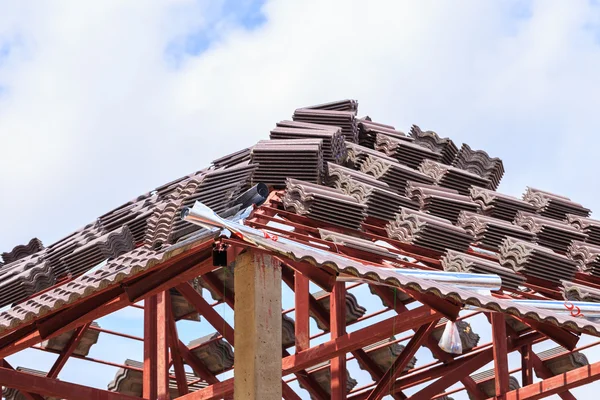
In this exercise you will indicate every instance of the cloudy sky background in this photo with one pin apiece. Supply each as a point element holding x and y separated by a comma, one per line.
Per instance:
<point>103,101</point>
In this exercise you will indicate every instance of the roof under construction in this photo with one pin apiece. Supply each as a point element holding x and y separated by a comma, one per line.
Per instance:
<point>341,201</point>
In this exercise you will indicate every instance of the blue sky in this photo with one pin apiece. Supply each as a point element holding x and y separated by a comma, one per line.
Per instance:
<point>100,102</point>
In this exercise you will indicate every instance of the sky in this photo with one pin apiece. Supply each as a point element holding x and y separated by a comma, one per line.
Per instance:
<point>103,101</point>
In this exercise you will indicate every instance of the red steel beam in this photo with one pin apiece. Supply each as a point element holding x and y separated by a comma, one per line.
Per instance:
<point>561,336</point>
<point>150,365</point>
<point>500,353</point>
<point>326,351</point>
<point>557,384</point>
<point>162,347</point>
<point>390,296</point>
<point>67,351</point>
<point>338,328</point>
<point>55,388</point>
<point>29,336</point>
<point>401,361</point>
<point>27,395</point>
<point>204,309</point>
<point>180,376</point>
<point>196,364</point>
<point>453,376</point>
<point>526,365</point>
<point>301,312</point>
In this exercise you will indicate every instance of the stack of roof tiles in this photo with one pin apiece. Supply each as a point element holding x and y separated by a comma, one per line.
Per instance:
<point>445,147</point>
<point>452,177</point>
<point>555,235</point>
<point>215,188</point>
<point>587,257</point>
<point>490,232</point>
<point>368,131</point>
<point>25,277</point>
<point>321,374</point>
<point>384,168</point>
<point>459,262</point>
<point>404,152</point>
<point>424,230</point>
<point>214,352</point>
<point>353,310</point>
<point>343,119</point>
<point>339,105</point>
<point>536,261</point>
<point>560,360</point>
<point>334,146</point>
<point>129,381</point>
<point>381,202</point>
<point>232,159</point>
<point>486,382</point>
<point>64,247</point>
<point>552,205</point>
<point>324,204</point>
<point>134,215</point>
<point>110,245</point>
<point>441,202</point>
<point>591,227</point>
<point>480,163</point>
<point>384,354</point>
<point>576,292</point>
<point>498,205</point>
<point>89,338</point>
<point>281,159</point>
<point>21,251</point>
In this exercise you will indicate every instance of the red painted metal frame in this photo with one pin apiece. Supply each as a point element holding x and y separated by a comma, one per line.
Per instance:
<point>160,330</point>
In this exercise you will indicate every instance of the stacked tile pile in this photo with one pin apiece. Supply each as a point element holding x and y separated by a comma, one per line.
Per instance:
<point>368,131</point>
<point>552,205</point>
<point>217,188</point>
<point>59,250</point>
<point>111,245</point>
<point>536,261</point>
<point>21,251</point>
<point>454,261</point>
<point>233,159</point>
<point>452,177</point>
<point>357,154</point>
<point>321,374</point>
<point>334,147</point>
<point>441,202</point>
<point>324,204</point>
<point>381,202</point>
<point>591,227</point>
<point>281,159</point>
<point>353,310</point>
<point>25,277</point>
<point>550,233</point>
<point>486,383</point>
<point>214,352</point>
<point>339,105</point>
<point>134,215</point>
<point>480,163</point>
<point>424,230</point>
<point>384,355</point>
<point>576,292</point>
<point>559,360</point>
<point>587,257</point>
<point>391,172</point>
<point>498,205</point>
<point>490,232</point>
<point>343,119</point>
<point>404,152</point>
<point>445,147</point>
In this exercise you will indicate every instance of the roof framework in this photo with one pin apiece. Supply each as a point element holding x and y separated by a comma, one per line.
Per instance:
<point>163,265</point>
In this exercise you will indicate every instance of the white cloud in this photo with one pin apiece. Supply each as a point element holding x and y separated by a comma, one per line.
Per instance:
<point>93,111</point>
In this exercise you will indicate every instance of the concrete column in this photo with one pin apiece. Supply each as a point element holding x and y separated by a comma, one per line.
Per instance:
<point>257,364</point>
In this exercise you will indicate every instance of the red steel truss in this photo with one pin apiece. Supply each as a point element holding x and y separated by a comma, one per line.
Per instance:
<point>165,354</point>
